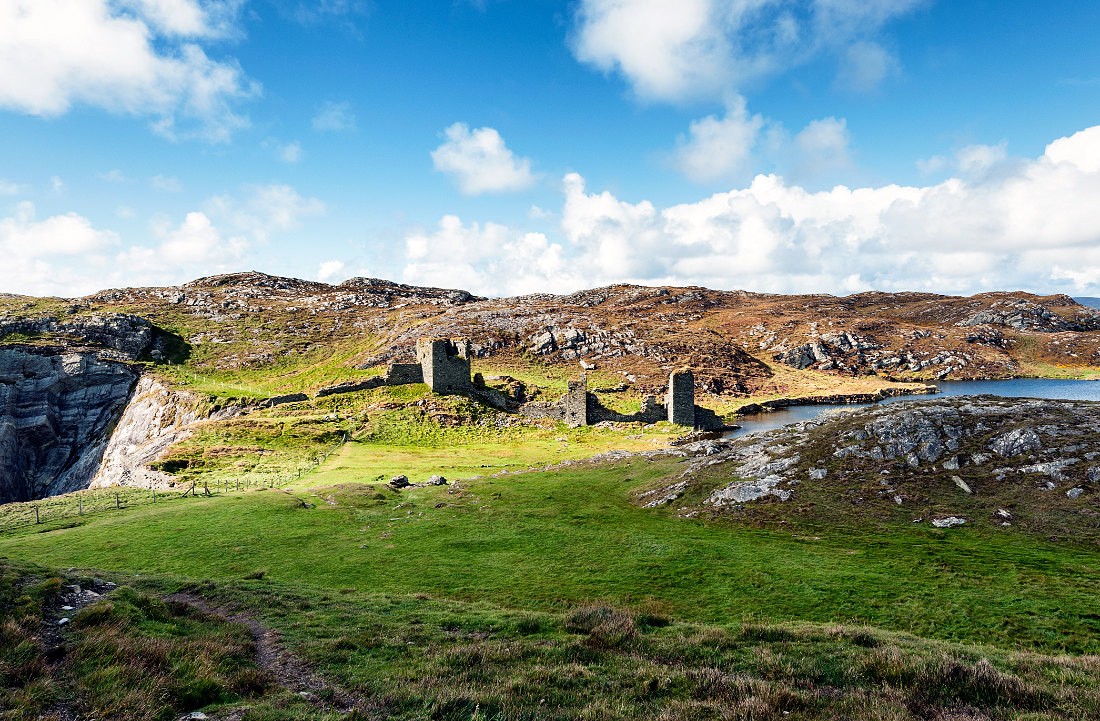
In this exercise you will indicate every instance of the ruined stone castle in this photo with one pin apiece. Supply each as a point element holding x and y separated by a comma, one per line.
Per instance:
<point>444,365</point>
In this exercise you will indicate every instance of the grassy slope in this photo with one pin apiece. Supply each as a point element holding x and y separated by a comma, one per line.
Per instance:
<point>548,540</point>
<point>131,656</point>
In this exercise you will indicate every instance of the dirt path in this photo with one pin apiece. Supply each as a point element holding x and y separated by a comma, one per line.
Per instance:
<point>55,618</point>
<point>287,670</point>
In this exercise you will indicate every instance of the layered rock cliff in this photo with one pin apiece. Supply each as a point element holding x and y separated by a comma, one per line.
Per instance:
<point>57,412</point>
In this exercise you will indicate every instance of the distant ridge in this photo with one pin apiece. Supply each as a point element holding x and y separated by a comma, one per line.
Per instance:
<point>1090,302</point>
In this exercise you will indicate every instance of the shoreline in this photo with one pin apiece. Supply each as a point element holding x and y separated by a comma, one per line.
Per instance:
<point>881,394</point>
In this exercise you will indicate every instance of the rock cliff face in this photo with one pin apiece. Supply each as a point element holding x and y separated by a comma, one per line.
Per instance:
<point>154,419</point>
<point>57,412</point>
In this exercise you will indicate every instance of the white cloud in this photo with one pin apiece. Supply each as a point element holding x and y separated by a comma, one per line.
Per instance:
<point>719,148</point>
<point>1081,150</point>
<point>491,256</point>
<point>968,161</point>
<point>864,65</point>
<point>334,117</point>
<point>330,270</point>
<point>57,184</point>
<point>726,149</point>
<point>9,188</point>
<point>975,159</point>
<point>138,57</point>
<point>67,255</point>
<point>70,234</point>
<point>265,210</point>
<point>706,48</point>
<point>822,147</point>
<point>166,184</point>
<point>291,152</point>
<point>1032,225</point>
<point>480,162</point>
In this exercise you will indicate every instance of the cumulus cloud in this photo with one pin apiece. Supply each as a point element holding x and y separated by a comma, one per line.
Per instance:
<point>967,161</point>
<point>480,162</point>
<point>1032,225</point>
<point>822,147</point>
<point>131,57</point>
<point>67,255</point>
<point>726,148</point>
<point>719,147</point>
<point>50,256</point>
<point>703,48</point>
<point>330,270</point>
<point>265,210</point>
<point>475,256</point>
<point>22,235</point>
<point>334,117</point>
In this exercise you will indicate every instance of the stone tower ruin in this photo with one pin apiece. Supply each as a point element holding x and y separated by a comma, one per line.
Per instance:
<point>445,364</point>
<point>681,398</point>
<point>575,403</point>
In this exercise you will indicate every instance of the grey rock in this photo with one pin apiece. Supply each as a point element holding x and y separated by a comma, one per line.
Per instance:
<point>663,496</point>
<point>154,419</point>
<point>949,522</point>
<point>961,484</point>
<point>400,481</point>
<point>1075,493</point>
<point>743,492</point>
<point>56,416</point>
<point>817,474</point>
<point>437,481</point>
<point>1015,442</point>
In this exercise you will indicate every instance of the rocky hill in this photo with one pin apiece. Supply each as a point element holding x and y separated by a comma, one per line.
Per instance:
<point>69,368</point>
<point>985,461</point>
<point>252,320</point>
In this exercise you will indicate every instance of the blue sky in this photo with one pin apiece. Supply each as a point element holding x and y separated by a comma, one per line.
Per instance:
<point>510,146</point>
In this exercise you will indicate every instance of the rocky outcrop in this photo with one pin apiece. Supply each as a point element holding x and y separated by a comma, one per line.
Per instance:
<point>154,419</point>
<point>119,336</point>
<point>1026,315</point>
<point>57,412</point>
<point>934,461</point>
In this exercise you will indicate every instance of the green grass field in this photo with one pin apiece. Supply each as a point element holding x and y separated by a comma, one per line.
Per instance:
<point>552,540</point>
<point>540,594</point>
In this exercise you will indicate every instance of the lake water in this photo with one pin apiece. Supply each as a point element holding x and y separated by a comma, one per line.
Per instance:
<point>1014,388</point>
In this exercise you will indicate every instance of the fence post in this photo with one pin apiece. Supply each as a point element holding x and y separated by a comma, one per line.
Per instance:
<point>80,505</point>
<point>36,521</point>
<point>116,501</point>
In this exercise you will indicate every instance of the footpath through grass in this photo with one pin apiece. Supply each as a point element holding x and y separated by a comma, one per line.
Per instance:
<point>552,540</point>
<point>130,655</point>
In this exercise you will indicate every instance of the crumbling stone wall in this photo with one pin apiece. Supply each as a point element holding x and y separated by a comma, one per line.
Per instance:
<point>399,374</point>
<point>652,411</point>
<point>681,398</point>
<point>445,364</point>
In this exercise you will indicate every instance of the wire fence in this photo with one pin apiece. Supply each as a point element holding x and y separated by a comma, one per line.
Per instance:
<point>49,512</point>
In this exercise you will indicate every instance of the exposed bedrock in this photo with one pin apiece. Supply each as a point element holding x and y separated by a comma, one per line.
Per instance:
<point>155,418</point>
<point>57,412</point>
